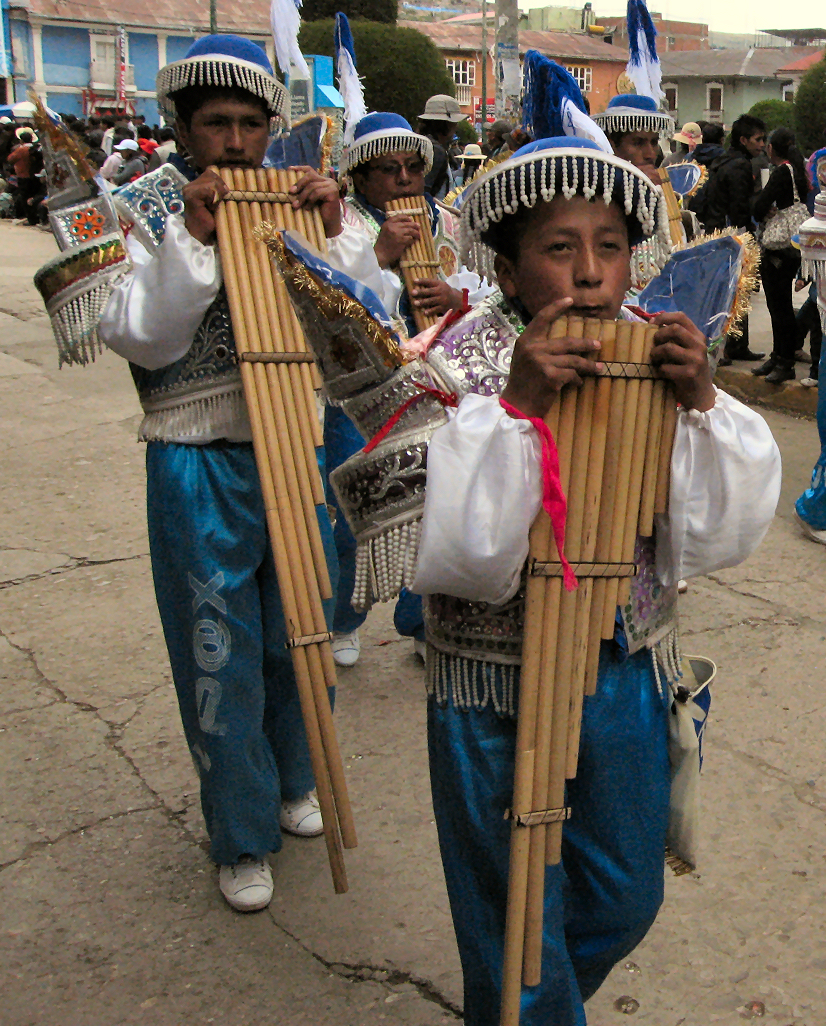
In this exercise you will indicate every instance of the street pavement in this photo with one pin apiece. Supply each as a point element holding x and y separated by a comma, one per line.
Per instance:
<point>109,909</point>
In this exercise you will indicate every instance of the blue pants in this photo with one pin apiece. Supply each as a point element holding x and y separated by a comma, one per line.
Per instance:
<point>811,506</point>
<point>341,441</point>
<point>221,613</point>
<point>603,897</point>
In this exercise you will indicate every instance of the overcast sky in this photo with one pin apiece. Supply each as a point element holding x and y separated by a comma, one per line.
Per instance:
<point>728,16</point>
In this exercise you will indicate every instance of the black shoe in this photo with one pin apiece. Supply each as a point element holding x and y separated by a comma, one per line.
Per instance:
<point>764,368</point>
<point>748,355</point>
<point>724,361</point>
<point>779,375</point>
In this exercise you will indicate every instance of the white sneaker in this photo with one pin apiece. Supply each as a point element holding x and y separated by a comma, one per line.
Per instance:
<point>810,532</point>
<point>420,648</point>
<point>346,648</point>
<point>808,382</point>
<point>302,817</point>
<point>247,885</point>
<point>682,587</point>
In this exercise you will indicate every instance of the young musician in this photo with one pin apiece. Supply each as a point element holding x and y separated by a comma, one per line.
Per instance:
<point>214,576</point>
<point>634,125</point>
<point>561,217</point>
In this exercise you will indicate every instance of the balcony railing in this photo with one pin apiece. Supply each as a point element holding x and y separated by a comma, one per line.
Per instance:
<point>103,76</point>
<point>716,116</point>
<point>463,95</point>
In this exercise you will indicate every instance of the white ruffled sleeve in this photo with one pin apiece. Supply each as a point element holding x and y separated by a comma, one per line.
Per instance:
<point>153,314</point>
<point>725,483</point>
<point>484,490</point>
<point>352,252</point>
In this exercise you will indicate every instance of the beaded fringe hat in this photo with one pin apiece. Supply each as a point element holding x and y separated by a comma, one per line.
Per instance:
<point>377,134</point>
<point>565,166</point>
<point>631,113</point>
<point>228,61</point>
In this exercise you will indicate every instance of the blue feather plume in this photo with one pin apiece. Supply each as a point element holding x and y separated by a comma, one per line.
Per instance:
<point>349,83</point>
<point>546,86</point>
<point>644,65</point>
<point>344,37</point>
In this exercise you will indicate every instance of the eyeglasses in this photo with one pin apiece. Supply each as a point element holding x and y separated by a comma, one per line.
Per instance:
<point>393,170</point>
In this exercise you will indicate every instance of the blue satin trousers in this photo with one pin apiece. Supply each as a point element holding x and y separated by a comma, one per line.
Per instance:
<point>221,613</point>
<point>603,897</point>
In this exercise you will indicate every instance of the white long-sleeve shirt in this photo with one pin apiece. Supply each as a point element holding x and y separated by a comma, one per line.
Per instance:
<point>484,489</point>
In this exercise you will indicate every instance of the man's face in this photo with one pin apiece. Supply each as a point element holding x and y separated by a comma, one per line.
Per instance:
<point>576,249</point>
<point>391,177</point>
<point>638,148</point>
<point>754,144</point>
<point>226,132</point>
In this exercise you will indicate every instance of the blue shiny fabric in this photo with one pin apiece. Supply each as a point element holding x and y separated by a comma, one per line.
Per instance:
<point>811,506</point>
<point>221,613</point>
<point>602,898</point>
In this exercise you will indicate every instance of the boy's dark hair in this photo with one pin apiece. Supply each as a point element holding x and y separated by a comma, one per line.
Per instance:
<point>108,121</point>
<point>189,101</point>
<point>745,127</point>
<point>784,144</point>
<point>713,133</point>
<point>167,134</point>
<point>144,132</point>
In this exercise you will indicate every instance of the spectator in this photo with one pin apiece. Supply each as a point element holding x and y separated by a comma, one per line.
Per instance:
<point>497,135</point>
<point>687,140</point>
<point>108,124</point>
<point>134,162</point>
<point>787,185</point>
<point>711,146</point>
<point>438,122</point>
<point>145,140</point>
<point>471,160</point>
<point>166,148</point>
<point>7,140</point>
<point>26,185</point>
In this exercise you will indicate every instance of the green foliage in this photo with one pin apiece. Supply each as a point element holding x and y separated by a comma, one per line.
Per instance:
<point>370,10</point>
<point>810,109</point>
<point>467,133</point>
<point>775,113</point>
<point>400,67</point>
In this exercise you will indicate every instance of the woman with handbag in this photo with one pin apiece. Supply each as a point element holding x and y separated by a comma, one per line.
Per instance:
<point>781,209</point>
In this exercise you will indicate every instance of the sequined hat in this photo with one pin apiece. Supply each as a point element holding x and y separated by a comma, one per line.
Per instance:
<point>228,61</point>
<point>377,134</point>
<point>629,113</point>
<point>566,166</point>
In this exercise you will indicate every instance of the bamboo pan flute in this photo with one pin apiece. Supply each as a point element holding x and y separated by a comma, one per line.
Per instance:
<point>419,260</point>
<point>614,437</point>
<point>672,205</point>
<point>276,370</point>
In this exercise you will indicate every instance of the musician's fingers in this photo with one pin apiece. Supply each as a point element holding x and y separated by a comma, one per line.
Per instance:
<point>548,314</point>
<point>570,361</point>
<point>560,346</point>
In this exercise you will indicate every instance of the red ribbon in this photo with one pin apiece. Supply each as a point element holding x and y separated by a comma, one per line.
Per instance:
<point>553,498</point>
<point>445,398</point>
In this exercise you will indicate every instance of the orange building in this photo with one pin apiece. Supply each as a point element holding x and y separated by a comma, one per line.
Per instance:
<point>595,64</point>
<point>671,35</point>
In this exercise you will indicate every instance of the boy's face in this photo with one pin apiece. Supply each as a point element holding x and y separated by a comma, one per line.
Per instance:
<point>575,249</point>
<point>226,132</point>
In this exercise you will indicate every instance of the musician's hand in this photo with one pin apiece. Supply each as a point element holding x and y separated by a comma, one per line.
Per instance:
<point>315,190</point>
<point>397,233</point>
<point>800,284</point>
<point>435,296</point>
<point>200,201</point>
<point>651,172</point>
<point>680,353</point>
<point>541,366</point>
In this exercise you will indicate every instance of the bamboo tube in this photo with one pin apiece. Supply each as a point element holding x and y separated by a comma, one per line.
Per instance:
<point>666,446</point>
<point>280,523</point>
<point>675,220</point>
<point>419,260</point>
<point>621,424</point>
<point>642,338</point>
<point>284,407</point>
<point>652,460</point>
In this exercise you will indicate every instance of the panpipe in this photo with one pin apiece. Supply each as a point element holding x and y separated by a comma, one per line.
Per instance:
<point>614,437</point>
<point>420,259</point>
<point>276,371</point>
<point>672,205</point>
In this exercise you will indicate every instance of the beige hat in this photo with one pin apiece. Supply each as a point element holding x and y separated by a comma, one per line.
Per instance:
<point>442,108</point>
<point>691,134</point>
<point>473,151</point>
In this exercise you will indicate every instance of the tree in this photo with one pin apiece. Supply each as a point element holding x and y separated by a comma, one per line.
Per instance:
<point>775,113</point>
<point>385,11</point>
<point>810,109</point>
<point>400,67</point>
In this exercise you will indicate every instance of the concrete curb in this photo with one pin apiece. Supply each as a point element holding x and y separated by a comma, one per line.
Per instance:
<point>790,397</point>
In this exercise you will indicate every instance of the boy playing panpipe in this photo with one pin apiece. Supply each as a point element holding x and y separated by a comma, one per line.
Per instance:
<point>561,217</point>
<point>214,576</point>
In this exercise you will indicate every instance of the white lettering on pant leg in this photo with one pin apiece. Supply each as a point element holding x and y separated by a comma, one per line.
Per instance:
<point>207,697</point>
<point>206,762</point>
<point>208,592</point>
<point>212,642</point>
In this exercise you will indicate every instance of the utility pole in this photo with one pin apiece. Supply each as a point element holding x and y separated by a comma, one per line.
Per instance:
<point>213,17</point>
<point>484,117</point>
<point>506,63</point>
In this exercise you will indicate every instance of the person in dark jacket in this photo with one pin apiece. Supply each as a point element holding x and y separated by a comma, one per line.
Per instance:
<point>727,202</point>
<point>438,122</point>
<point>712,145</point>
<point>787,185</point>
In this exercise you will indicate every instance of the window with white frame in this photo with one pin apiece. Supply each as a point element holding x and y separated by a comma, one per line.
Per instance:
<point>671,95</point>
<point>463,72</point>
<point>788,93</point>
<point>582,74</point>
<point>714,101</point>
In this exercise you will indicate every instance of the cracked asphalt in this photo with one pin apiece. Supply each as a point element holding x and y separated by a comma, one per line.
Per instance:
<point>110,912</point>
